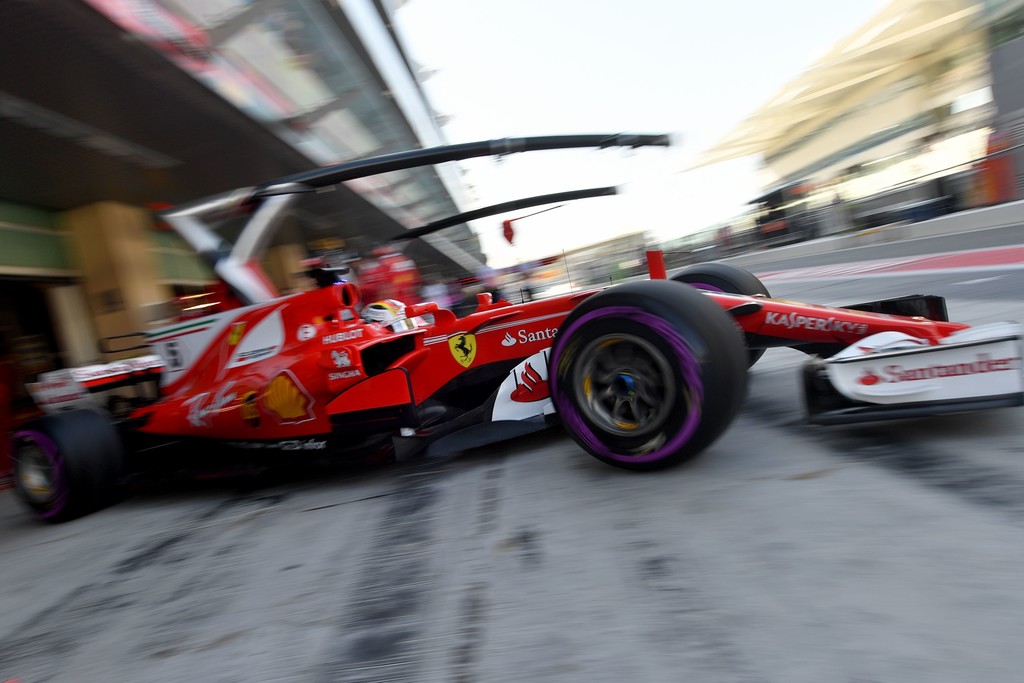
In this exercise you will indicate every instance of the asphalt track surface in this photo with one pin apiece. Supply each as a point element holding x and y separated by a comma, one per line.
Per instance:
<point>785,553</point>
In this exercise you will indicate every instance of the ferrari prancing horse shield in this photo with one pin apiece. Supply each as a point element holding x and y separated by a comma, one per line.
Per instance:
<point>463,348</point>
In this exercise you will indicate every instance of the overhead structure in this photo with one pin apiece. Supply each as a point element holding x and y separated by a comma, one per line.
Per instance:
<point>158,102</point>
<point>909,43</point>
<point>112,110</point>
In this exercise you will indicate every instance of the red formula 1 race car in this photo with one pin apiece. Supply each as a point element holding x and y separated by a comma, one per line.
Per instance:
<point>642,375</point>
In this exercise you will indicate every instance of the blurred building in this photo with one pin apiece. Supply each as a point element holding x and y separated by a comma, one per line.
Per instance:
<point>594,265</point>
<point>112,108</point>
<point>1005,21</point>
<point>904,101</point>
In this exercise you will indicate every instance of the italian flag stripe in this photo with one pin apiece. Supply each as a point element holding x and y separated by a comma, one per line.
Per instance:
<point>191,327</point>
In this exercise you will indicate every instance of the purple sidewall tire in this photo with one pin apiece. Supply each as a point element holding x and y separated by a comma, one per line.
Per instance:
<point>49,449</point>
<point>86,460</point>
<point>681,353</point>
<point>707,287</point>
<point>684,360</point>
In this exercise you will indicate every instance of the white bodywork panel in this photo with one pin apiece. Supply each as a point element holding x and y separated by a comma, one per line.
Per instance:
<point>893,368</point>
<point>180,345</point>
<point>524,394</point>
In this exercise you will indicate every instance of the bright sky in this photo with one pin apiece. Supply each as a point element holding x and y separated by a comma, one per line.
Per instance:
<point>511,68</point>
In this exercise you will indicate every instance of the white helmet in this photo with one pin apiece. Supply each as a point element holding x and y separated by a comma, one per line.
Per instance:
<point>389,313</point>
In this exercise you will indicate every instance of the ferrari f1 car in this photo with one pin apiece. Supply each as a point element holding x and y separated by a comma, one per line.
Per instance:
<point>642,375</point>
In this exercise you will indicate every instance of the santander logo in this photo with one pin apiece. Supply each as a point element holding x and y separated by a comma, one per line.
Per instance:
<point>530,386</point>
<point>528,336</point>
<point>982,364</point>
<point>869,378</point>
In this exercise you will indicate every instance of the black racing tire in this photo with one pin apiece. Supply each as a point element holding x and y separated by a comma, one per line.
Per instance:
<point>725,277</point>
<point>67,465</point>
<point>646,375</point>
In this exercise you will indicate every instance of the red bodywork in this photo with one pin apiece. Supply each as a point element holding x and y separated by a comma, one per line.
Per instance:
<point>334,372</point>
<point>795,323</point>
<point>326,373</point>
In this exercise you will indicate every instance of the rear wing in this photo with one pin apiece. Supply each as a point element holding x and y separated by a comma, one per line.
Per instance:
<point>61,390</point>
<point>504,207</point>
<point>238,264</point>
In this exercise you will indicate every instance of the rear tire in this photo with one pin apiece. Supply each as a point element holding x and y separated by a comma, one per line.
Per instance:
<point>647,374</point>
<point>68,464</point>
<point>725,277</point>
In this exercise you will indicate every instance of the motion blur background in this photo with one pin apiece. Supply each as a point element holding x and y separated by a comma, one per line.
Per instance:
<point>111,110</point>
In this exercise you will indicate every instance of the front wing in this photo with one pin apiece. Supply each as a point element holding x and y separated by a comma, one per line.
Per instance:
<point>894,375</point>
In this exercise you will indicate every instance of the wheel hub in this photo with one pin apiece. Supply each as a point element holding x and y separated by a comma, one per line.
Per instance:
<point>35,473</point>
<point>624,385</point>
<point>627,384</point>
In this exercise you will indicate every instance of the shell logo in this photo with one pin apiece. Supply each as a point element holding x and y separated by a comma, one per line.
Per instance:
<point>250,411</point>
<point>287,400</point>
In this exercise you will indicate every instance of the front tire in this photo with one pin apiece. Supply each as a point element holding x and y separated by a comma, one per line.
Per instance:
<point>68,464</point>
<point>646,375</point>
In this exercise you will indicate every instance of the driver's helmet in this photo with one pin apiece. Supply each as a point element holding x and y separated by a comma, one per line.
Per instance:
<point>389,313</point>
